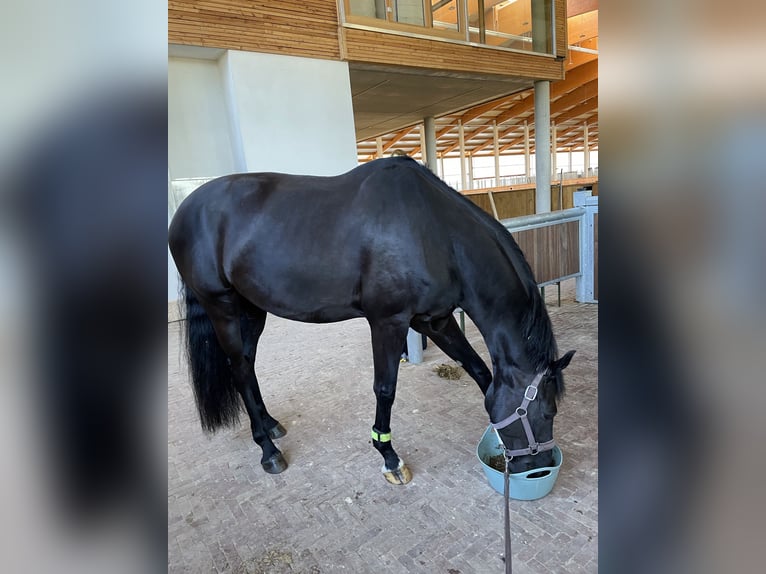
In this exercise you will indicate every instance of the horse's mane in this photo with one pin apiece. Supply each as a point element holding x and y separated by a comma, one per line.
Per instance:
<point>537,330</point>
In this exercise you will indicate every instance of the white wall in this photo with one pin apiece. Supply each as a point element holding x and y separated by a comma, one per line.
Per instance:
<point>257,112</point>
<point>290,114</point>
<point>198,125</point>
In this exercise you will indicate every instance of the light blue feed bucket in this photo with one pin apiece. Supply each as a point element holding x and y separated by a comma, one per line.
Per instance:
<point>522,487</point>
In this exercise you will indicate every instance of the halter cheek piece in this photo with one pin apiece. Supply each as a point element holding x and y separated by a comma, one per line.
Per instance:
<point>521,414</point>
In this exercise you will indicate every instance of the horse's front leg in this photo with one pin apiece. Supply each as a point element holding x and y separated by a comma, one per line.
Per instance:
<point>387,341</point>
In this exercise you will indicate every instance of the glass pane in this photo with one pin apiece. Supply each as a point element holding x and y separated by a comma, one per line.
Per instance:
<point>409,12</point>
<point>517,24</point>
<point>369,8</point>
<point>444,14</point>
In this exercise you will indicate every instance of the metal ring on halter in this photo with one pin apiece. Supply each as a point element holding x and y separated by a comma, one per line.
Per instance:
<point>521,411</point>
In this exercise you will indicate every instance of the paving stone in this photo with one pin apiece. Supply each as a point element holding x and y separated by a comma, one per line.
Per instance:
<point>332,511</point>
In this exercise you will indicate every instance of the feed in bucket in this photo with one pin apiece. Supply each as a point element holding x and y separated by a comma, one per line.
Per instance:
<point>528,485</point>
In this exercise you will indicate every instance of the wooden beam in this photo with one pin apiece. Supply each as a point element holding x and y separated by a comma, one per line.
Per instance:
<point>576,7</point>
<point>396,137</point>
<point>585,107</point>
<point>575,97</point>
<point>582,27</point>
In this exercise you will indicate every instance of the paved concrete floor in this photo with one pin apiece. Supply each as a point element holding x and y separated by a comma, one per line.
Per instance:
<point>332,510</point>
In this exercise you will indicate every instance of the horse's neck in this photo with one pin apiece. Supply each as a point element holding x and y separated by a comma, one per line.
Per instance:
<point>494,297</point>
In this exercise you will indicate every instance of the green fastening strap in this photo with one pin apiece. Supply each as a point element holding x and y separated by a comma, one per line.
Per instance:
<point>381,437</point>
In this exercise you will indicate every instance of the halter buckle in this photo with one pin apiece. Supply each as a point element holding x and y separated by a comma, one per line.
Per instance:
<point>521,411</point>
<point>533,391</point>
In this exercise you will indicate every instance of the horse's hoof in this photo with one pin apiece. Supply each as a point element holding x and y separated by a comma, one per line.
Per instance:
<point>275,464</point>
<point>400,475</point>
<point>277,431</point>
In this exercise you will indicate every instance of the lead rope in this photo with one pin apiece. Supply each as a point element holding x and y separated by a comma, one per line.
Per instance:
<point>507,496</point>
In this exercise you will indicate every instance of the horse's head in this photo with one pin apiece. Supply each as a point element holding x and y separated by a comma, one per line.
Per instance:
<point>522,408</point>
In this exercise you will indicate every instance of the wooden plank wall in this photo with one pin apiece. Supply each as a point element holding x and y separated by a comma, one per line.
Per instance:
<point>384,48</point>
<point>308,28</point>
<point>508,203</point>
<point>520,200</point>
<point>552,251</point>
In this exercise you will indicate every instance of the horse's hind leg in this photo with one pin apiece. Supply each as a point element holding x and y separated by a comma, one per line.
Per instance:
<point>450,339</point>
<point>228,321</point>
<point>253,322</point>
<point>388,338</point>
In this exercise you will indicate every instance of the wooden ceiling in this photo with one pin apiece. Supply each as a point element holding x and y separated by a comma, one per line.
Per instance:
<point>574,103</point>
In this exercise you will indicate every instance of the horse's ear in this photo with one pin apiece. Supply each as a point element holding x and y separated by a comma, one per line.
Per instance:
<point>562,363</point>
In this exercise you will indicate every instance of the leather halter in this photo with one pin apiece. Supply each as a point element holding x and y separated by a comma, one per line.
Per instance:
<point>521,414</point>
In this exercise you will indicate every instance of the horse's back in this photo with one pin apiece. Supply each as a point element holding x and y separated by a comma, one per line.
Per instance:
<point>320,248</point>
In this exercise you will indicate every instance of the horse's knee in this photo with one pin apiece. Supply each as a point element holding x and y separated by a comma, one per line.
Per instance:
<point>385,392</point>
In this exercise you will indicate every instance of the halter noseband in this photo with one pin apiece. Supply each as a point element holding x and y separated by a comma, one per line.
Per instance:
<point>521,414</point>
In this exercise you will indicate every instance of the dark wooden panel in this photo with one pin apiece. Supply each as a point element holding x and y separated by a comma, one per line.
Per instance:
<point>552,251</point>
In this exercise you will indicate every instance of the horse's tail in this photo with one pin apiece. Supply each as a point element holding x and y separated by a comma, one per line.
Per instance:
<point>212,379</point>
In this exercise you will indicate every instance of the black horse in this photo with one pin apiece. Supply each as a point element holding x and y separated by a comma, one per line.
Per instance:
<point>388,241</point>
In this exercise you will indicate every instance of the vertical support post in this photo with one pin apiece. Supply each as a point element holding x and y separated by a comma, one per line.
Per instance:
<point>429,127</point>
<point>441,167</point>
<point>570,160</point>
<point>585,151</point>
<point>585,282</point>
<point>414,347</point>
<point>554,150</point>
<point>461,143</point>
<point>379,142</point>
<point>428,151</point>
<point>482,23</point>
<point>496,141</point>
<point>526,150</point>
<point>542,146</point>
<point>469,170</point>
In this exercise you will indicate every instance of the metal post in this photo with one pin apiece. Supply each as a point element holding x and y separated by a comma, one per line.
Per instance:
<point>461,144</point>
<point>423,146</point>
<point>586,153</point>
<point>542,146</point>
<point>496,140</point>
<point>414,347</point>
<point>585,282</point>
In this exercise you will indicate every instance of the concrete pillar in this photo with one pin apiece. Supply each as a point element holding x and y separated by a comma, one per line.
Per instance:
<point>542,146</point>
<point>427,151</point>
<point>461,143</point>
<point>585,151</point>
<point>496,141</point>
<point>526,150</point>
<point>554,150</point>
<point>429,127</point>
